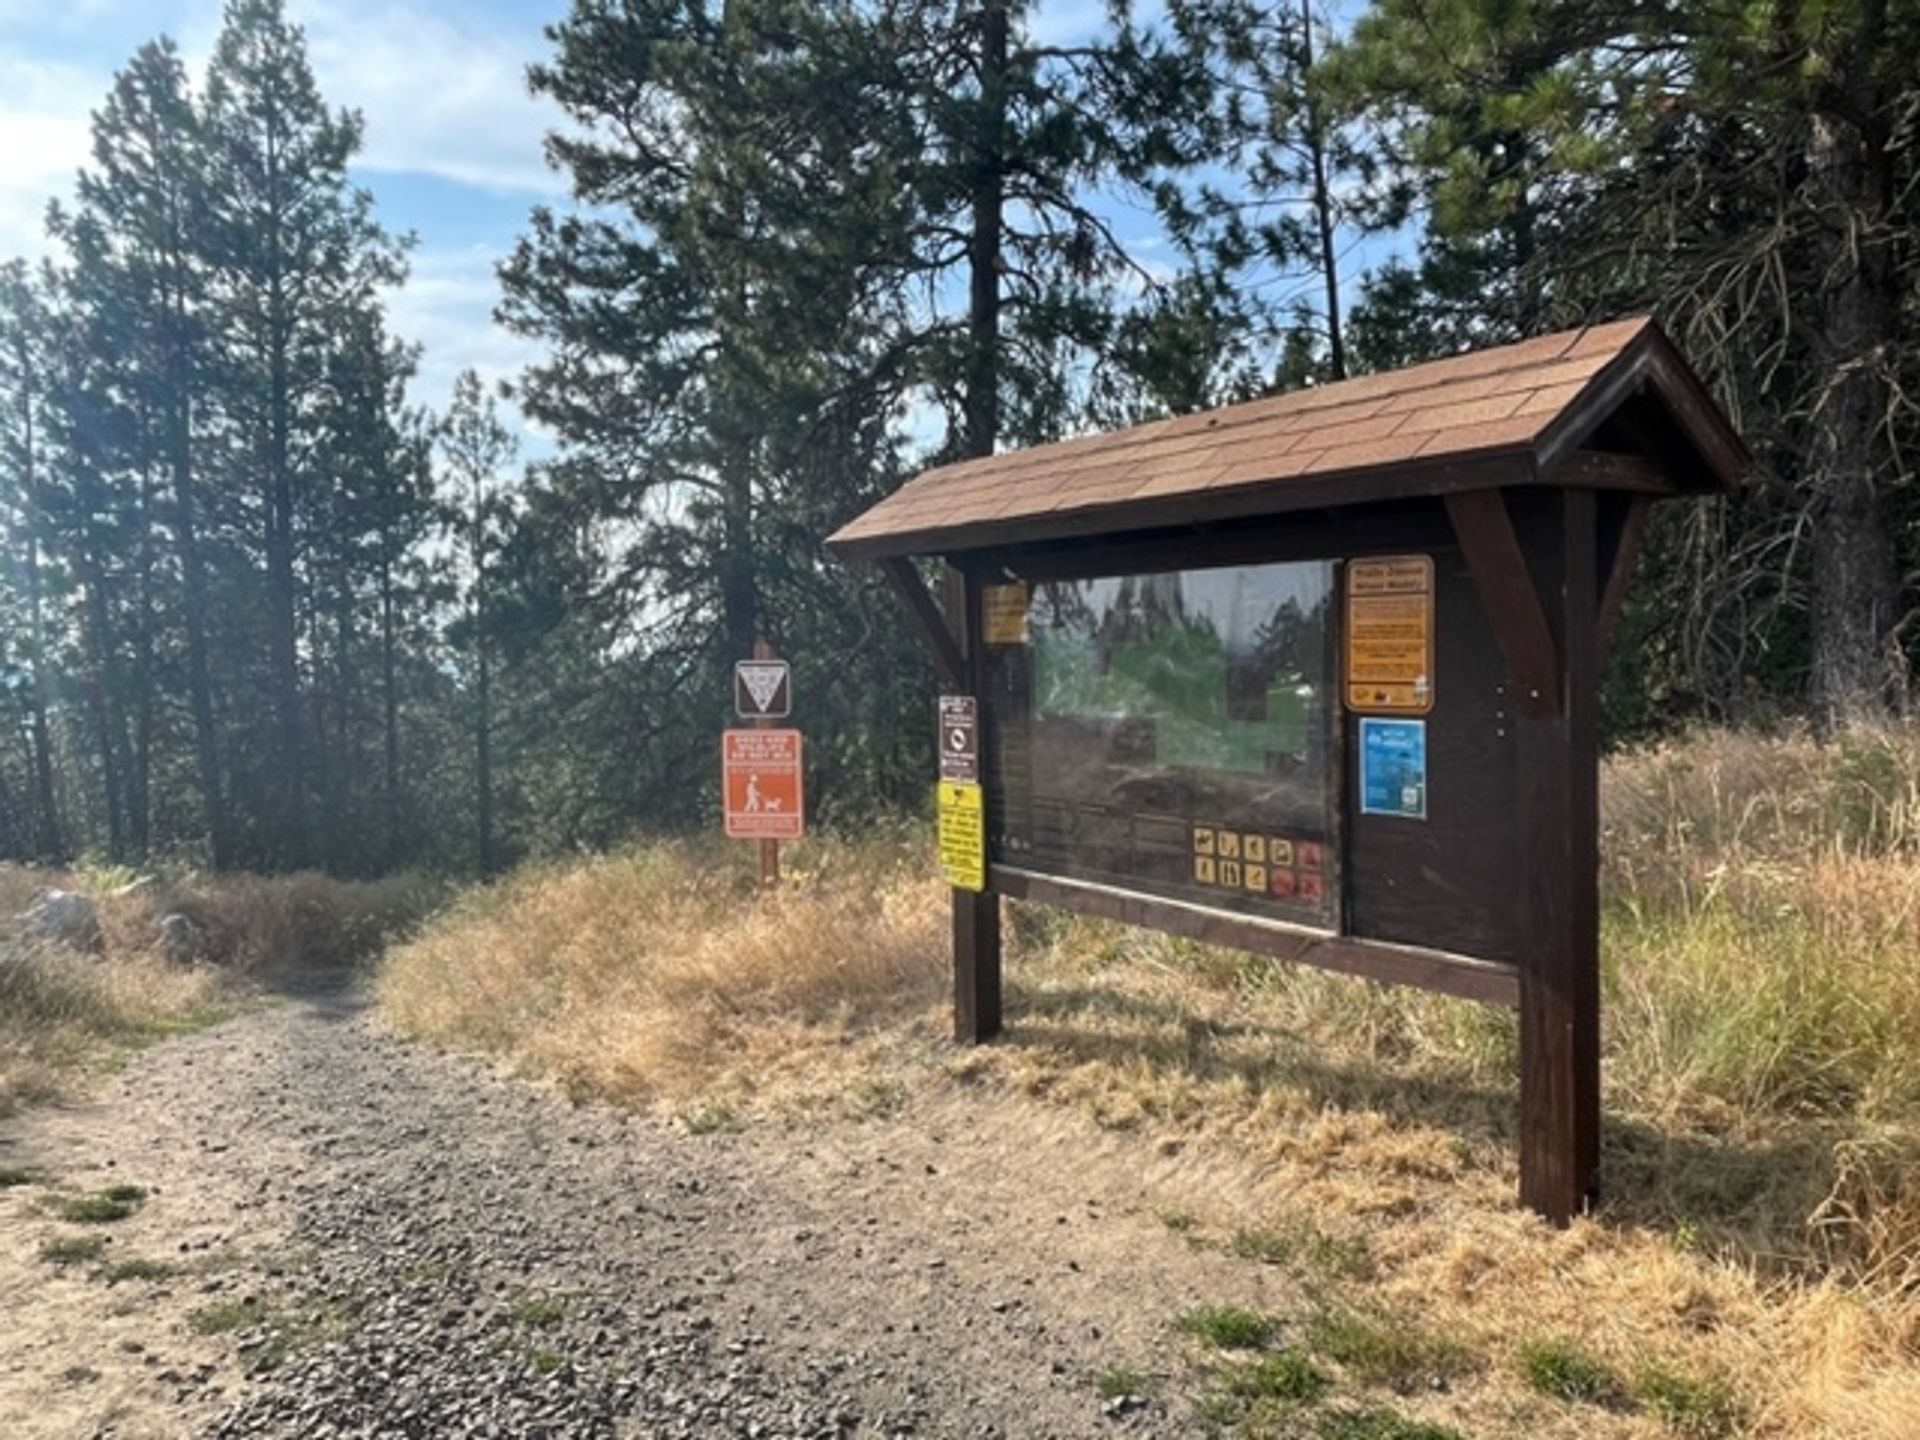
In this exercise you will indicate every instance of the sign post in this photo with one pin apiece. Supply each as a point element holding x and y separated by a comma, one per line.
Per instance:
<point>761,768</point>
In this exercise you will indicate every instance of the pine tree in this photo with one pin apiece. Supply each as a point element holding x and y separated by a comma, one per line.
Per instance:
<point>295,248</point>
<point>477,449</point>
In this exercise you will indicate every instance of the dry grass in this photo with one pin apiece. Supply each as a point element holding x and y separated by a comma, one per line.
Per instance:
<point>1756,1269</point>
<point>659,976</point>
<point>63,1014</point>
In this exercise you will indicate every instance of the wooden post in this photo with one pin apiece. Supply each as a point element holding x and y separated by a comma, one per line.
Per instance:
<point>769,849</point>
<point>1558,795</point>
<point>976,917</point>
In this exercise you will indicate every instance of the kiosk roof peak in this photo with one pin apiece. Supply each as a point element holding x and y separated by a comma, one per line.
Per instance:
<point>1512,414</point>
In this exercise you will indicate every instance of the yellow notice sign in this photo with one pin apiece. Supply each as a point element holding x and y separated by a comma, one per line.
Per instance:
<point>1390,634</point>
<point>963,835</point>
<point>1003,613</point>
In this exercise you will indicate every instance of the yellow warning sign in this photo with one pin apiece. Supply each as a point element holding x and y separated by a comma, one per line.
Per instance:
<point>963,835</point>
<point>1390,634</point>
<point>1003,613</point>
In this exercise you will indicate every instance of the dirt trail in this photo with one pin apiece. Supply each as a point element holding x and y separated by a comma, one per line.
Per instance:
<point>364,1238</point>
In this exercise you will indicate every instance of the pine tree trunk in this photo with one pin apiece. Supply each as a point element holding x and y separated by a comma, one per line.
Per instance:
<point>1324,217</point>
<point>390,704</point>
<point>982,409</point>
<point>199,676</point>
<point>48,844</point>
<point>281,589</point>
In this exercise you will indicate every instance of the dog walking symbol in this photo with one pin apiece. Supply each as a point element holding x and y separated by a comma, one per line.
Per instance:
<point>762,772</point>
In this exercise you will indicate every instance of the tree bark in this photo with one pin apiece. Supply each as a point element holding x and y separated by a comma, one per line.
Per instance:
<point>982,408</point>
<point>1859,672</point>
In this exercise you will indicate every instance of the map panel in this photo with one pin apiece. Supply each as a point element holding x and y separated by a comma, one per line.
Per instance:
<point>1172,733</point>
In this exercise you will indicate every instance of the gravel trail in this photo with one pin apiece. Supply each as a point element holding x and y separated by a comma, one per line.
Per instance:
<point>349,1235</point>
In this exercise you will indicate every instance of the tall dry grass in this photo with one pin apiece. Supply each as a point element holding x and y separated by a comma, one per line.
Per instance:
<point>1762,971</point>
<point>63,1013</point>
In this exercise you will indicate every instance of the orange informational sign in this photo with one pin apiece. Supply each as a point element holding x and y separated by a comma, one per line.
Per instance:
<point>1390,634</point>
<point>765,800</point>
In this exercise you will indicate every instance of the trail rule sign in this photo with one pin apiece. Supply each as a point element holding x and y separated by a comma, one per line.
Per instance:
<point>762,690</point>
<point>959,738</point>
<point>761,769</point>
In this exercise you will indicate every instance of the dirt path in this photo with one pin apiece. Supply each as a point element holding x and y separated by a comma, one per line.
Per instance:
<point>347,1235</point>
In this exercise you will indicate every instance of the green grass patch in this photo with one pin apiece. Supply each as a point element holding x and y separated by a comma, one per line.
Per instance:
<point>1303,1243</point>
<point>137,1269</point>
<point>73,1250</point>
<point>1117,1381</point>
<point>541,1312</point>
<point>14,1176</point>
<point>223,1317</point>
<point>101,1207</point>
<point>1563,1370</point>
<point>1377,1351</point>
<point>1380,1424</point>
<point>1228,1327</point>
<point>547,1362</point>
<point>1181,1222</point>
<point>1288,1378</point>
<point>1700,1408</point>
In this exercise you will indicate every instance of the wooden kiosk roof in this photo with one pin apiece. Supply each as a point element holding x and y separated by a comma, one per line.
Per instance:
<point>1513,415</point>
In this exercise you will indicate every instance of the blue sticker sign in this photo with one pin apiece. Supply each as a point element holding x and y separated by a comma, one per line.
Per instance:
<point>1393,768</point>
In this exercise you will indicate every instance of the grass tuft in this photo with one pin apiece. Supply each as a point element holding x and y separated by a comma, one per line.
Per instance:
<point>1228,1327</point>
<point>1116,1382</point>
<point>12,1177</point>
<point>1301,1242</point>
<point>1563,1370</point>
<point>1285,1378</point>
<point>73,1250</point>
<point>540,1312</point>
<point>137,1269</point>
<point>1379,1424</point>
<point>223,1317</point>
<point>1701,1409</point>
<point>101,1207</point>
<point>1386,1351</point>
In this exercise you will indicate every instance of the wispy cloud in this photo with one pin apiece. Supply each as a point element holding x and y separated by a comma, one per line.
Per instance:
<point>444,93</point>
<point>44,139</point>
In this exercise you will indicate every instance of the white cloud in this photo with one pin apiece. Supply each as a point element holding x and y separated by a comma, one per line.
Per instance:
<point>445,307</point>
<point>442,95</point>
<point>44,139</point>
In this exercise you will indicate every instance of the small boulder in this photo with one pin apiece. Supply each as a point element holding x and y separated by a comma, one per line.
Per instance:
<point>62,917</point>
<point>182,941</point>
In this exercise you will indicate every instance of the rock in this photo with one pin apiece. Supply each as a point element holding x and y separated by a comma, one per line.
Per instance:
<point>182,941</point>
<point>62,917</point>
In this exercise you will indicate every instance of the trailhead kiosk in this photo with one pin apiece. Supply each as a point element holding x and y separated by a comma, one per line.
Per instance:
<point>1315,677</point>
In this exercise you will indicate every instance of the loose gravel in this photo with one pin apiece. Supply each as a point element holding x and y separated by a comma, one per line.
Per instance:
<point>364,1238</point>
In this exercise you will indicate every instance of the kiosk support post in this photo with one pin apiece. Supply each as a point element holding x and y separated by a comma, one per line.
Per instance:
<point>976,917</point>
<point>1558,791</point>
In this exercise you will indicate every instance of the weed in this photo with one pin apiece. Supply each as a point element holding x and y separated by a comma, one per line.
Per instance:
<point>1561,1369</point>
<point>1303,1242</point>
<point>539,1311</point>
<point>73,1250</point>
<point>1117,1381</point>
<point>547,1362</point>
<point>1380,1424</point>
<point>1228,1327</point>
<point>1701,1409</point>
<point>102,1207</point>
<point>717,1119</point>
<point>137,1269</point>
<point>1181,1222</point>
<point>223,1317</point>
<point>1385,1352</point>
<point>12,1176</point>
<point>1288,1377</point>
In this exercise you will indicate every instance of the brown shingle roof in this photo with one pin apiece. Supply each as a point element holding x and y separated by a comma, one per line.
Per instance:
<point>1402,432</point>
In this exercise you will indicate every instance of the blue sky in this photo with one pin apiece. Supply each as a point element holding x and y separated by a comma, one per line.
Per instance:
<point>453,139</point>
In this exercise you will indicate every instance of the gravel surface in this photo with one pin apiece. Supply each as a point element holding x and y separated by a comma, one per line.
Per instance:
<point>361,1237</point>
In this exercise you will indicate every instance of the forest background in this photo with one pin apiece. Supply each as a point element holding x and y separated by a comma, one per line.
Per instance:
<point>259,609</point>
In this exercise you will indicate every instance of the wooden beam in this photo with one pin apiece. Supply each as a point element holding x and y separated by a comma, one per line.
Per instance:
<point>1484,528</point>
<point>1603,470</point>
<point>928,620</point>
<point>976,916</point>
<point>1557,792</point>
<point>1619,547</point>
<point>1487,981</point>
